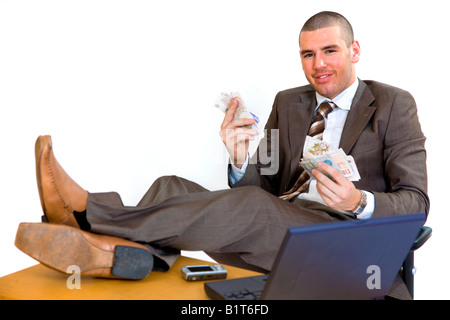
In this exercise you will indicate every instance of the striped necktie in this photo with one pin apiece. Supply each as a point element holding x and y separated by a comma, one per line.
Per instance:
<point>316,131</point>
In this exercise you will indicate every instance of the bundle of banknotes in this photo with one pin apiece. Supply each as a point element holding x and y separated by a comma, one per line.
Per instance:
<point>316,151</point>
<point>225,100</point>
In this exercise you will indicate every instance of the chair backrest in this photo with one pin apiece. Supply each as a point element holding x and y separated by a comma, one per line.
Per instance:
<point>408,268</point>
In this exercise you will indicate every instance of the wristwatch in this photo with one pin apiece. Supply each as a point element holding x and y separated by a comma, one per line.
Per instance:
<point>362,205</point>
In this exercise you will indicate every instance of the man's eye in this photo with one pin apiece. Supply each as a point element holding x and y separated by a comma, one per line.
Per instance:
<point>308,55</point>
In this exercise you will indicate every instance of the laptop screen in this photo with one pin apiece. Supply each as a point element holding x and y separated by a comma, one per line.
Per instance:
<point>342,260</point>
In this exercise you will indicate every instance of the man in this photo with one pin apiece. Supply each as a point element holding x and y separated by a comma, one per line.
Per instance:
<point>375,123</point>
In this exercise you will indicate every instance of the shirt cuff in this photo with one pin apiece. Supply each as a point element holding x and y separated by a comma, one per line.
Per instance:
<point>370,207</point>
<point>235,174</point>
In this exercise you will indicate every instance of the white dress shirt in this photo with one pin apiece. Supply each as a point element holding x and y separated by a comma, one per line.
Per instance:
<point>334,125</point>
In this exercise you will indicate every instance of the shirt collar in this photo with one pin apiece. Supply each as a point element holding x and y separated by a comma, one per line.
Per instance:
<point>344,99</point>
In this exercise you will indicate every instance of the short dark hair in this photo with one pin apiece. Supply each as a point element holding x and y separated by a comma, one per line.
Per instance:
<point>327,19</point>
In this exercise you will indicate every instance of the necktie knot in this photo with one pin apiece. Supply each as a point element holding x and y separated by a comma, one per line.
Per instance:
<point>325,108</point>
<point>318,123</point>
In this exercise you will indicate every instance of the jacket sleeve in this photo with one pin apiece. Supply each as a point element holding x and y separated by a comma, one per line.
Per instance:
<point>404,162</point>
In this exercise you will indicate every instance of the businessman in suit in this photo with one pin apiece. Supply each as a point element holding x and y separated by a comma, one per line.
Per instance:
<point>243,226</point>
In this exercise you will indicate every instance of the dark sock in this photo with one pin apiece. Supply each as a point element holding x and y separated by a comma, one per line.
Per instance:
<point>82,220</point>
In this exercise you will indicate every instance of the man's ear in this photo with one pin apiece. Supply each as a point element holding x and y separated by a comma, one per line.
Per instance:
<point>356,51</point>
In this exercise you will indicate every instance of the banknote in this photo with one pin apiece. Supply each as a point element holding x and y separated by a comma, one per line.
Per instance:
<point>225,100</point>
<point>315,147</point>
<point>352,163</point>
<point>316,151</point>
<point>311,164</point>
<point>341,159</point>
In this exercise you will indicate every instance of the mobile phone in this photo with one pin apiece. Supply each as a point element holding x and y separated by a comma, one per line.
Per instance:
<point>204,272</point>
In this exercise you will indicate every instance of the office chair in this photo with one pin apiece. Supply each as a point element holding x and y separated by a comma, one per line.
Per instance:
<point>408,270</point>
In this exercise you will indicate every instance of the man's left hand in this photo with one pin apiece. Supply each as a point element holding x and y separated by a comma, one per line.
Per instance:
<point>337,192</point>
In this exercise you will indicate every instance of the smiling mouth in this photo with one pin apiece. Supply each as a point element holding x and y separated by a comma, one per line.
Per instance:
<point>323,78</point>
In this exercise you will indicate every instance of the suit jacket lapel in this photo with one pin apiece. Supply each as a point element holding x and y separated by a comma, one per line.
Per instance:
<point>360,113</point>
<point>300,115</point>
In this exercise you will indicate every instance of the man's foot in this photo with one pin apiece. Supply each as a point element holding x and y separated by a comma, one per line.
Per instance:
<point>59,247</point>
<point>60,195</point>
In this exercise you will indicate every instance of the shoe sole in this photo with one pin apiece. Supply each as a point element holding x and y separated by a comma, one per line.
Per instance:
<point>60,246</point>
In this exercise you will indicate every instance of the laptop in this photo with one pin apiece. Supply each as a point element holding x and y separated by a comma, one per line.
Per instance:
<point>356,259</point>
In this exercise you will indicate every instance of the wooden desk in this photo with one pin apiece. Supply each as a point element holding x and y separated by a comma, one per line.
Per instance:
<point>42,283</point>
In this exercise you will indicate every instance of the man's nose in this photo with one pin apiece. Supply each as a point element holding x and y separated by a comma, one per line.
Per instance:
<point>319,62</point>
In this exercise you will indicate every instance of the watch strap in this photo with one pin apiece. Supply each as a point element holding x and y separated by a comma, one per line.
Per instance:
<point>362,205</point>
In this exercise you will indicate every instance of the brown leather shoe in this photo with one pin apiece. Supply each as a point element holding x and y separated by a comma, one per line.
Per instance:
<point>59,247</point>
<point>59,194</point>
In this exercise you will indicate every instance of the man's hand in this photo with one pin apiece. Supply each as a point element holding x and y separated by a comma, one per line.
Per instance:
<point>338,193</point>
<point>236,136</point>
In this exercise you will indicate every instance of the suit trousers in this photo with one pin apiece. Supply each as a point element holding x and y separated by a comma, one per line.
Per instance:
<point>242,227</point>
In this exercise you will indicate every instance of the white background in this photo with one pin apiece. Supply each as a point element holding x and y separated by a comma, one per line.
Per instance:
<point>126,89</point>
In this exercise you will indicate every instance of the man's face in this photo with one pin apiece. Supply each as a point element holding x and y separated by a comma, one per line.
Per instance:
<point>327,61</point>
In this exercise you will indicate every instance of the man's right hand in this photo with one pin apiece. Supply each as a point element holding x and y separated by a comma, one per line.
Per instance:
<point>236,136</point>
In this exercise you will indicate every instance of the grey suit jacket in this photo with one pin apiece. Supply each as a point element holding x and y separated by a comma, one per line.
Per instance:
<point>382,133</point>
